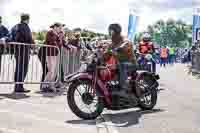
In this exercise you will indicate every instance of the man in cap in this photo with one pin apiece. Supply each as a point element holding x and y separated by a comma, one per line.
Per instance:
<point>22,52</point>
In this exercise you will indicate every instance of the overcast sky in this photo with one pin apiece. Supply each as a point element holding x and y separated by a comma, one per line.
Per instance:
<point>95,14</point>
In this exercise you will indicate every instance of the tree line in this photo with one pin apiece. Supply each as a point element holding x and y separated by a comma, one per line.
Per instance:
<point>173,33</point>
<point>169,33</point>
<point>40,36</point>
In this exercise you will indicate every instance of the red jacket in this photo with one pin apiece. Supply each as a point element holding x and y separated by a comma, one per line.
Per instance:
<point>145,47</point>
<point>52,39</point>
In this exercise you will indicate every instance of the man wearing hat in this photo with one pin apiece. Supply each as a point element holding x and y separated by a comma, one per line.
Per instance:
<point>22,54</point>
<point>3,33</point>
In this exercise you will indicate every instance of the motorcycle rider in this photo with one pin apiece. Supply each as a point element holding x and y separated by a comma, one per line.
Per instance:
<point>123,51</point>
<point>146,46</point>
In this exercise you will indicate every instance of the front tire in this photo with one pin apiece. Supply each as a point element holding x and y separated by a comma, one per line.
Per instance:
<point>73,105</point>
<point>149,99</point>
<point>153,100</point>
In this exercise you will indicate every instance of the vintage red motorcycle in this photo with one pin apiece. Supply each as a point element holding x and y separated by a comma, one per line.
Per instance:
<point>97,87</point>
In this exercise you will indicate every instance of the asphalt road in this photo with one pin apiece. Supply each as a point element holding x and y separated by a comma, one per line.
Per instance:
<point>177,110</point>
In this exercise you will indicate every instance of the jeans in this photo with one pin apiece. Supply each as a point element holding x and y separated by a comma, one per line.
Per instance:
<point>124,68</point>
<point>52,70</point>
<point>171,59</point>
<point>163,61</point>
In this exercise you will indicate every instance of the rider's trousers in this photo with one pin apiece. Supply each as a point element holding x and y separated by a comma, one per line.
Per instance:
<point>124,68</point>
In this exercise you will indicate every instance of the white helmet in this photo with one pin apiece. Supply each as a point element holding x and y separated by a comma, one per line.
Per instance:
<point>146,37</point>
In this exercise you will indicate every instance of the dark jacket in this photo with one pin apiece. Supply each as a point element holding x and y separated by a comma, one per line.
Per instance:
<point>3,31</point>
<point>23,35</point>
<point>62,41</point>
<point>52,39</point>
<point>76,43</point>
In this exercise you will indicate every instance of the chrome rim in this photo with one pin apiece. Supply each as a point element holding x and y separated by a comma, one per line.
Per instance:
<point>84,99</point>
<point>146,96</point>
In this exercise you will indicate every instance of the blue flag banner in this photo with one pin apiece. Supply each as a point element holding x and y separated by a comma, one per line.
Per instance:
<point>132,26</point>
<point>195,27</point>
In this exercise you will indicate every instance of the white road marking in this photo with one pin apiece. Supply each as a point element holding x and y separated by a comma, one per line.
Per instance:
<point>112,127</point>
<point>6,130</point>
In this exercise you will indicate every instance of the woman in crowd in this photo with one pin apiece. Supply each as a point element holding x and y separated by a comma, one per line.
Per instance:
<point>52,39</point>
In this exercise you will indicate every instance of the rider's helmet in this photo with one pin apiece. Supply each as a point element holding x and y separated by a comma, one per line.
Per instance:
<point>146,37</point>
<point>116,28</point>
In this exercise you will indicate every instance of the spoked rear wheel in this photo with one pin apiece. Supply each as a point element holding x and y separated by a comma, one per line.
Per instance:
<point>82,102</point>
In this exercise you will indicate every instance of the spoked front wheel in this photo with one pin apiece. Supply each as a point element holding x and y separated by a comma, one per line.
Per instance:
<point>82,101</point>
<point>149,98</point>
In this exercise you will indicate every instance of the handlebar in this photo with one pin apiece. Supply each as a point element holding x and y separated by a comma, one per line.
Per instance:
<point>145,54</point>
<point>105,67</point>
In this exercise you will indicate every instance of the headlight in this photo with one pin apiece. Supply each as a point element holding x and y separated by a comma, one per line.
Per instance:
<point>95,60</point>
<point>148,57</point>
<point>83,68</point>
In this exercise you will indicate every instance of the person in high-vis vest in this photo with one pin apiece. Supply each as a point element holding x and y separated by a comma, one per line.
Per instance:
<point>146,46</point>
<point>171,55</point>
<point>163,56</point>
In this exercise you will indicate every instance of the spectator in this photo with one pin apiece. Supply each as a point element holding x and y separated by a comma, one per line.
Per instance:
<point>52,39</point>
<point>75,54</point>
<point>63,46</point>
<point>3,33</point>
<point>171,55</point>
<point>163,56</point>
<point>88,45</point>
<point>22,52</point>
<point>42,57</point>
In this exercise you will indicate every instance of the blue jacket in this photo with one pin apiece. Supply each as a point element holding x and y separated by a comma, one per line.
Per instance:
<point>3,31</point>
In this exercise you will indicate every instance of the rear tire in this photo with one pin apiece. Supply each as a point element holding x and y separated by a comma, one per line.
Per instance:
<point>75,109</point>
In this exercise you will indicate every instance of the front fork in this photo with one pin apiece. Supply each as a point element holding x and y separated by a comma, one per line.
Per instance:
<point>94,82</point>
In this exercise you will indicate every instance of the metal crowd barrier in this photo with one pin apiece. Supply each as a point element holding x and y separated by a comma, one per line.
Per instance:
<point>68,62</point>
<point>27,56</point>
<point>196,62</point>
